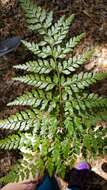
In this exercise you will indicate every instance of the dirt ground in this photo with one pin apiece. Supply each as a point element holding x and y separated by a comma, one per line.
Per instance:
<point>90,17</point>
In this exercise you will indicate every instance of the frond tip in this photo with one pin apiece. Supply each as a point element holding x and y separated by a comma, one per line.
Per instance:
<point>58,31</point>
<point>37,18</point>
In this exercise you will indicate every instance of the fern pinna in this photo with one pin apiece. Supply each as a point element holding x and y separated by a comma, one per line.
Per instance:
<point>59,122</point>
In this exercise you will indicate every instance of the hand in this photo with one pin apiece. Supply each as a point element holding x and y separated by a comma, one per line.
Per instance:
<point>31,185</point>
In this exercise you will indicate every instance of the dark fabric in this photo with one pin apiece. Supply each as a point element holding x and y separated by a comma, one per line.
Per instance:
<point>48,183</point>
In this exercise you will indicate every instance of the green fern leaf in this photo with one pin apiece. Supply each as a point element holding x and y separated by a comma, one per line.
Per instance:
<point>97,144</point>
<point>35,49</point>
<point>36,99</point>
<point>37,18</point>
<point>95,117</point>
<point>22,121</point>
<point>80,81</point>
<point>41,82</point>
<point>58,31</point>
<point>12,176</point>
<point>23,170</point>
<point>73,63</point>
<point>85,104</point>
<point>73,42</point>
<point>60,124</point>
<point>69,123</point>
<point>93,100</point>
<point>32,47</point>
<point>11,142</point>
<point>40,66</point>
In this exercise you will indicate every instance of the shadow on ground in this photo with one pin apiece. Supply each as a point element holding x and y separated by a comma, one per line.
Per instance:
<point>86,180</point>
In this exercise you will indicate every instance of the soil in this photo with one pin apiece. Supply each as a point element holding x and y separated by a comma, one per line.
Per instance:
<point>90,17</point>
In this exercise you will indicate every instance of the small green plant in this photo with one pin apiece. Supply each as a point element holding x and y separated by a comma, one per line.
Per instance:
<point>58,123</point>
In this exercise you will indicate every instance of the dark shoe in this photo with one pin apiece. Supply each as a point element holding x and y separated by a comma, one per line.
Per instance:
<point>8,45</point>
<point>48,183</point>
<point>73,188</point>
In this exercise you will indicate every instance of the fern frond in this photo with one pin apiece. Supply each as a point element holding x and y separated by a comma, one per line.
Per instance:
<point>80,81</point>
<point>73,63</point>
<point>59,125</point>
<point>58,31</point>
<point>44,52</point>
<point>40,66</point>
<point>37,99</point>
<point>37,18</point>
<point>75,106</point>
<point>22,121</point>
<point>32,47</point>
<point>94,101</point>
<point>94,141</point>
<point>94,118</point>
<point>68,123</point>
<point>48,127</point>
<point>39,81</point>
<point>11,142</point>
<point>12,176</point>
<point>89,102</point>
<point>71,44</point>
<point>85,104</point>
<point>23,170</point>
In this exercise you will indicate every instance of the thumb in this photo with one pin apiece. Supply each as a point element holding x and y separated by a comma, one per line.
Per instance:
<point>19,186</point>
<point>31,186</point>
